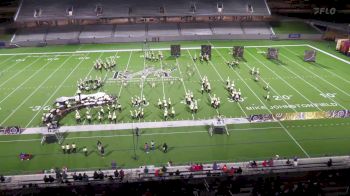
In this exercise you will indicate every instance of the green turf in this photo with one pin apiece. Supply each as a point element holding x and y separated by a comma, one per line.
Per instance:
<point>191,144</point>
<point>287,27</point>
<point>30,84</point>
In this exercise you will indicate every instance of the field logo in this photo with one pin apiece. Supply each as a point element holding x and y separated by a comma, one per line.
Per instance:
<point>323,10</point>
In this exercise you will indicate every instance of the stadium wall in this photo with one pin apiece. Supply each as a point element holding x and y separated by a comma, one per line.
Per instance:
<point>165,38</point>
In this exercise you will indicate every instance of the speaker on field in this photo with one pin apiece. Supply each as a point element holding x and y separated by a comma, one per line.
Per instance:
<point>175,50</point>
<point>238,51</point>
<point>272,53</point>
<point>206,50</point>
<point>310,56</point>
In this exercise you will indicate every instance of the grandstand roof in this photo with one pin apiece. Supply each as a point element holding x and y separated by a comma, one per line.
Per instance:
<point>82,9</point>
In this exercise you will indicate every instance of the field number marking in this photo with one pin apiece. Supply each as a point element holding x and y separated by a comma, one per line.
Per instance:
<point>328,95</point>
<point>38,108</point>
<point>282,97</point>
<point>52,59</point>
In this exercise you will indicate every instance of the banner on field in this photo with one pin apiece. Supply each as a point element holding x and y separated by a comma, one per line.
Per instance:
<point>294,36</point>
<point>14,130</point>
<point>299,116</point>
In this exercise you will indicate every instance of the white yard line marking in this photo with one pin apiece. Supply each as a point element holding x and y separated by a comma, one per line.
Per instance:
<point>136,50</point>
<point>24,82</point>
<point>126,69</point>
<point>272,71</point>
<point>17,72</point>
<point>33,92</point>
<point>145,134</point>
<point>182,80</point>
<point>329,54</point>
<point>161,68</point>
<point>7,59</point>
<point>56,90</point>
<point>284,128</point>
<point>317,74</point>
<point>314,87</point>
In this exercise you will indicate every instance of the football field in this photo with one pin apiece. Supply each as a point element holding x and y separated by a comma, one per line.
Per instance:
<point>32,82</point>
<point>33,78</point>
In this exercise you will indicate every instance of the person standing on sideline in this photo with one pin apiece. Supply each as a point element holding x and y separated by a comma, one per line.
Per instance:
<point>153,145</point>
<point>146,148</point>
<point>85,151</point>
<point>165,147</point>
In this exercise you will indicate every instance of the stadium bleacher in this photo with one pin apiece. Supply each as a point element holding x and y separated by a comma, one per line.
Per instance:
<point>87,9</point>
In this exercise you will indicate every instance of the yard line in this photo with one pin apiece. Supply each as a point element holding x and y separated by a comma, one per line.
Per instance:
<point>194,63</point>
<point>142,80</point>
<point>33,92</point>
<point>54,93</point>
<point>329,54</point>
<point>317,89</point>
<point>130,135</point>
<point>13,76</point>
<point>182,80</point>
<point>279,122</point>
<point>24,82</point>
<point>272,71</point>
<point>161,68</point>
<point>7,59</point>
<point>126,69</point>
<point>317,74</point>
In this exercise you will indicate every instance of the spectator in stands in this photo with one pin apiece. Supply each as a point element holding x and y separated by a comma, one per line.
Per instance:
<point>75,177</point>
<point>208,173</point>
<point>51,179</point>
<point>295,161</point>
<point>2,178</point>
<point>253,164</point>
<point>215,166</point>
<point>330,163</point>
<point>232,171</point>
<point>177,172</point>
<point>164,169</point>
<point>239,170</point>
<point>270,163</point>
<point>224,168</point>
<point>114,165</point>
<point>145,170</point>
<point>165,147</point>
<point>288,162</point>
<point>116,173</point>
<point>264,163</point>
<point>121,174</point>
<point>46,179</point>
<point>95,175</point>
<point>85,177</point>
<point>80,177</point>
